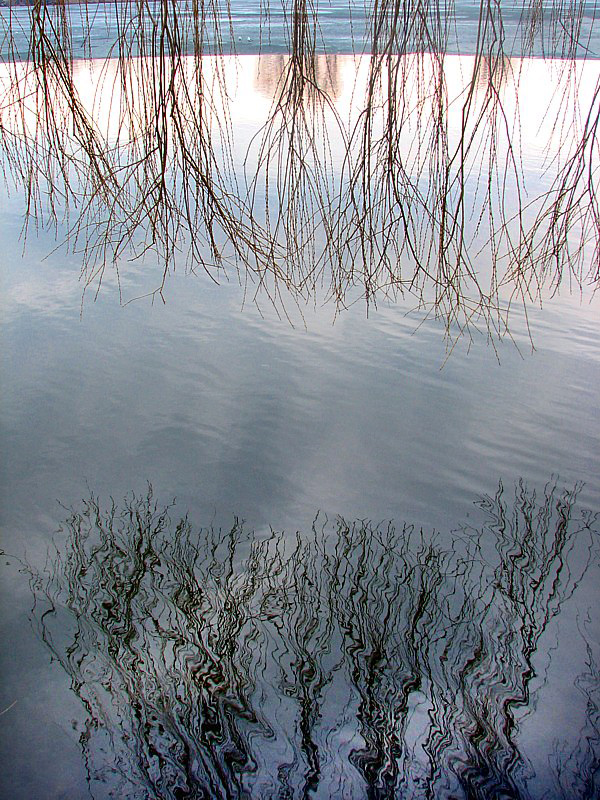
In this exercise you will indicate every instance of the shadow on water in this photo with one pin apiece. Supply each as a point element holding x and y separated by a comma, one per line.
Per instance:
<point>355,660</point>
<point>403,196</point>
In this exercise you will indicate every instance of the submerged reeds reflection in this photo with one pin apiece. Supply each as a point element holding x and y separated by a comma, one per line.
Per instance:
<point>419,189</point>
<point>356,660</point>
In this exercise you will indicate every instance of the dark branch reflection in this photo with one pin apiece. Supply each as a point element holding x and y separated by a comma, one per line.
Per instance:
<point>355,660</point>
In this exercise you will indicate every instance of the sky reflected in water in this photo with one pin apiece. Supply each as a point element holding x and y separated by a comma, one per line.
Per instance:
<point>380,576</point>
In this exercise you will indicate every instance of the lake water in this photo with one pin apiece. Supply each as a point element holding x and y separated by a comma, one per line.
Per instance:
<point>380,575</point>
<point>342,27</point>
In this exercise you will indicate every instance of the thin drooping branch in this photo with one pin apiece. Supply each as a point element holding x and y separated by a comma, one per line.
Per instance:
<point>413,182</point>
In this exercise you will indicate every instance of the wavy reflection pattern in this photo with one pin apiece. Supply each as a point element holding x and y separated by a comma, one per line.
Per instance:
<point>359,660</point>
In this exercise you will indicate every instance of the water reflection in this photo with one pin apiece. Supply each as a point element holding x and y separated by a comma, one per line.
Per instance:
<point>492,73</point>
<point>358,660</point>
<point>327,72</point>
<point>418,182</point>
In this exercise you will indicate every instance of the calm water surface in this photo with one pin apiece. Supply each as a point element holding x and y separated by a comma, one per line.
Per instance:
<point>343,27</point>
<point>387,581</point>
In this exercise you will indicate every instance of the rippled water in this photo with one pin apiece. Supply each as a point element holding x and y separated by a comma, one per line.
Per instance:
<point>408,608</point>
<point>347,660</point>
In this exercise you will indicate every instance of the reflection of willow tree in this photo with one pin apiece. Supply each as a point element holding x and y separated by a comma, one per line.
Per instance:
<point>400,216</point>
<point>579,771</point>
<point>357,661</point>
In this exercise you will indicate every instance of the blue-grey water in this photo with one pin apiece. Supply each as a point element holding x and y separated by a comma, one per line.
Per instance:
<point>343,27</point>
<point>380,576</point>
<point>238,414</point>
